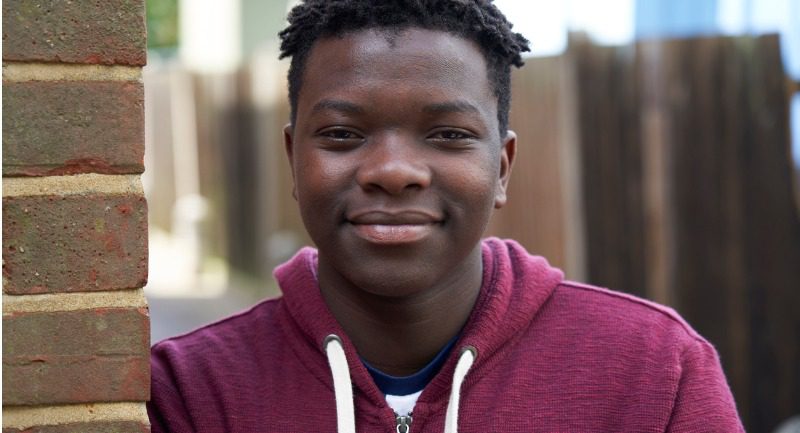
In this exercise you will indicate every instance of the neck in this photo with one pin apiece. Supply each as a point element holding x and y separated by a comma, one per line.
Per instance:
<point>400,335</point>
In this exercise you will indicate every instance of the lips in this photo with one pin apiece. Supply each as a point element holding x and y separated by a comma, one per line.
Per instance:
<point>391,228</point>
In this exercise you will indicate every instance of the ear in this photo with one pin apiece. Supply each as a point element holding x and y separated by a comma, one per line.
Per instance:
<point>288,145</point>
<point>507,154</point>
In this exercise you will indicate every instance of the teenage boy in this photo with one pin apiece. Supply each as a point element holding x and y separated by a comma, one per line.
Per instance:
<point>403,319</point>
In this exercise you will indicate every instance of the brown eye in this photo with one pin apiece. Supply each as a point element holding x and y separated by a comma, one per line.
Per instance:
<point>340,134</point>
<point>339,138</point>
<point>451,135</point>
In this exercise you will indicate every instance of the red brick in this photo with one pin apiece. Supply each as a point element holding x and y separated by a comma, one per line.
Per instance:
<point>76,380</point>
<point>107,32</point>
<point>76,356</point>
<point>87,427</point>
<point>102,331</point>
<point>69,127</point>
<point>74,243</point>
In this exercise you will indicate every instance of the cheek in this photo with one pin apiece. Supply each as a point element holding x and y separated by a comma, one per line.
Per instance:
<point>321,183</point>
<point>317,175</point>
<point>473,183</point>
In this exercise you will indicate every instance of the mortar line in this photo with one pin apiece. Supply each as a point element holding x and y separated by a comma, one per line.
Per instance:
<point>21,72</point>
<point>24,417</point>
<point>55,302</point>
<point>71,185</point>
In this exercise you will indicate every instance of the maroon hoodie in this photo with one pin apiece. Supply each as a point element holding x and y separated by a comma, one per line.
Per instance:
<point>551,356</point>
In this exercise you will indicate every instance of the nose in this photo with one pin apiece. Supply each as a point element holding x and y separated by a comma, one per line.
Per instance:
<point>393,164</point>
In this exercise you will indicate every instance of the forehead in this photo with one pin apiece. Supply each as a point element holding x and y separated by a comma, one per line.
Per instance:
<point>427,60</point>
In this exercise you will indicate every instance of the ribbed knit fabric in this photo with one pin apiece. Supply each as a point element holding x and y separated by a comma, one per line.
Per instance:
<point>552,356</point>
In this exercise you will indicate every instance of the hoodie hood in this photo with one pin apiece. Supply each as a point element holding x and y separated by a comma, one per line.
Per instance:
<point>536,354</point>
<point>514,288</point>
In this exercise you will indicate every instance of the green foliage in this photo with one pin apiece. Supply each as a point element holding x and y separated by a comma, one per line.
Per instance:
<point>162,23</point>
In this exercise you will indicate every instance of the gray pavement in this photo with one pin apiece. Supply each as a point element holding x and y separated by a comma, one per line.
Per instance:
<point>170,316</point>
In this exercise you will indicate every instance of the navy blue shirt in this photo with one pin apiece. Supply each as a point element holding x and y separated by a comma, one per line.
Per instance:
<point>416,382</point>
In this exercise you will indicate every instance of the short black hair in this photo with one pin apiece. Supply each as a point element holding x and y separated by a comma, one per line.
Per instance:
<point>476,20</point>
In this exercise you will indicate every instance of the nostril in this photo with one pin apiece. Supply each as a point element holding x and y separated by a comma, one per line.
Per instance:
<point>394,177</point>
<point>392,163</point>
<point>393,172</point>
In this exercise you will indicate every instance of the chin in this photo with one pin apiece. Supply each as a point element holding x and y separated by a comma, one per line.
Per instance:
<point>394,271</point>
<point>393,281</point>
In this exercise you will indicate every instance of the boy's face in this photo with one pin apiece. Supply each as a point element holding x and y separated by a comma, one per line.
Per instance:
<point>396,157</point>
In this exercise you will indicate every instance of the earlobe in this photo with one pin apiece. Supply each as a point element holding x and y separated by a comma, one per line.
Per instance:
<point>507,154</point>
<point>288,145</point>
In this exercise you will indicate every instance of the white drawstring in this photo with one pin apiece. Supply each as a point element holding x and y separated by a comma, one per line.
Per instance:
<point>342,387</point>
<point>465,361</point>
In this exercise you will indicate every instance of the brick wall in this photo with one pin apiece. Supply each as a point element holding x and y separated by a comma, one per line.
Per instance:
<point>75,321</point>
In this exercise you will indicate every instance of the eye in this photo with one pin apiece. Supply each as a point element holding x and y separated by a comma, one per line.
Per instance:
<point>452,137</point>
<point>339,134</point>
<point>339,137</point>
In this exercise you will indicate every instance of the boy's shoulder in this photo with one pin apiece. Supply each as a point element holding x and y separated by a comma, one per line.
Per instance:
<point>624,314</point>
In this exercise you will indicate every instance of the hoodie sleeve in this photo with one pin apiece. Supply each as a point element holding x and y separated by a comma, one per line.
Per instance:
<point>703,402</point>
<point>166,408</point>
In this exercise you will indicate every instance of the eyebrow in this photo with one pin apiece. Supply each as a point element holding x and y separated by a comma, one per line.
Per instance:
<point>337,105</point>
<point>436,108</point>
<point>450,107</point>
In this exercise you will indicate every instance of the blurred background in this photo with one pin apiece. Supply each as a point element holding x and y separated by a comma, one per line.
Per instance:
<point>659,155</point>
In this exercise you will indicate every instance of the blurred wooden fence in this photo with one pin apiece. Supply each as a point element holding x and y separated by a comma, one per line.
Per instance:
<point>663,169</point>
<point>660,168</point>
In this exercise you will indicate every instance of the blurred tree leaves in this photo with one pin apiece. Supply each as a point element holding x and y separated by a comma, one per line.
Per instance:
<point>162,24</point>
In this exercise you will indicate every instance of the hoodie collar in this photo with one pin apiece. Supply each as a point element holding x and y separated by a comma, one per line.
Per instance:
<point>514,288</point>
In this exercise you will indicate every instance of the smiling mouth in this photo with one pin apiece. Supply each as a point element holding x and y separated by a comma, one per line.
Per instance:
<point>393,228</point>
<point>393,234</point>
